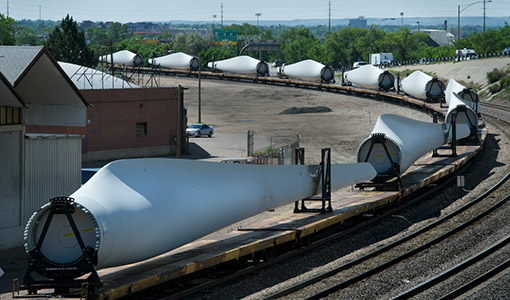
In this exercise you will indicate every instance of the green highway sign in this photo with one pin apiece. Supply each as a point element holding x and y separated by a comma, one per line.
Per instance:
<point>232,36</point>
<point>221,36</point>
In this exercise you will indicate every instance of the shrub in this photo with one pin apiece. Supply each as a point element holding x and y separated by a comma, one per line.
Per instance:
<point>495,88</point>
<point>504,82</point>
<point>495,75</point>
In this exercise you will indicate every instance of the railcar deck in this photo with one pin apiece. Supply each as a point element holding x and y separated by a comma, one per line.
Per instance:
<point>277,229</point>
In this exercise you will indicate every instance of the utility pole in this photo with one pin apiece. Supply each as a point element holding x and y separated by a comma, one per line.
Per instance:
<point>222,15</point>
<point>349,53</point>
<point>7,8</point>
<point>329,15</point>
<point>39,12</point>
<point>418,38</point>
<point>199,87</point>
<point>483,15</point>
<point>458,33</point>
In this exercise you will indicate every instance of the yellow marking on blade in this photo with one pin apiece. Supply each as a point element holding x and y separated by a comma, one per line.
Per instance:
<point>380,155</point>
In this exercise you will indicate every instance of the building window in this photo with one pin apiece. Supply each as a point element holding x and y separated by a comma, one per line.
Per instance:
<point>10,115</point>
<point>141,128</point>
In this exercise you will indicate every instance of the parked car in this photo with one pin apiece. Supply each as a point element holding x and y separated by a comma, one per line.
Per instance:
<point>198,130</point>
<point>506,51</point>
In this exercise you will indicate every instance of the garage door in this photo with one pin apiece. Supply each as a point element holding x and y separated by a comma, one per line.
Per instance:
<point>10,179</point>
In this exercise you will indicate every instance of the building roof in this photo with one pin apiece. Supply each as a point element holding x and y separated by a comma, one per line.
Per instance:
<point>8,96</point>
<point>37,77</point>
<point>15,60</point>
<point>91,79</point>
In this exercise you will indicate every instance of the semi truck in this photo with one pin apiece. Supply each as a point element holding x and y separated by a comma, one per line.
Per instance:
<point>380,58</point>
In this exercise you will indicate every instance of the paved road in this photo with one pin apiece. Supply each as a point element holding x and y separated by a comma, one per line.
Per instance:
<point>223,145</point>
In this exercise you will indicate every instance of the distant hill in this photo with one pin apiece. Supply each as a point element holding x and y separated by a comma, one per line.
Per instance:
<point>465,21</point>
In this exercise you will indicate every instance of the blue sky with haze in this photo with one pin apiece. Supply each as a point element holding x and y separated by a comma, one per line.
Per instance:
<point>242,10</point>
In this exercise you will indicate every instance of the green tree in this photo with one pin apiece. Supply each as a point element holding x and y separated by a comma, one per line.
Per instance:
<point>7,30</point>
<point>179,43</point>
<point>404,44</point>
<point>98,40</point>
<point>117,32</point>
<point>299,44</point>
<point>347,46</point>
<point>66,44</point>
<point>218,52</point>
<point>195,43</point>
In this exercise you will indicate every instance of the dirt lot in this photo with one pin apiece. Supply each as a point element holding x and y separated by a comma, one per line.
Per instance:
<point>234,108</point>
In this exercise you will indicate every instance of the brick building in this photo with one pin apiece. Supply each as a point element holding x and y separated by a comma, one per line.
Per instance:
<point>125,120</point>
<point>137,122</point>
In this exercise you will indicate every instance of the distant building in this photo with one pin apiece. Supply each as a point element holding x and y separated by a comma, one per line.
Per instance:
<point>142,27</point>
<point>439,37</point>
<point>360,22</point>
<point>87,24</point>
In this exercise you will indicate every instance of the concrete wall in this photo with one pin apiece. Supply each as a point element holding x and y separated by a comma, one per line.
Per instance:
<point>112,122</point>
<point>11,225</point>
<point>55,115</point>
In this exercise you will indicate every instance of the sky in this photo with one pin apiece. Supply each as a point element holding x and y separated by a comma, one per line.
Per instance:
<point>242,10</point>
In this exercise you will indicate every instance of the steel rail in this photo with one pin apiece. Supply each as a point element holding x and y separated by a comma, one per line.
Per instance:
<point>458,268</point>
<point>496,106</point>
<point>392,245</point>
<point>477,281</point>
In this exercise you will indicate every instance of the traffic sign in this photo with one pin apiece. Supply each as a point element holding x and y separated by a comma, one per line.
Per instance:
<point>222,37</point>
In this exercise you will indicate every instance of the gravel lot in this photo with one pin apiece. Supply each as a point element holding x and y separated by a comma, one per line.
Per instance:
<point>234,108</point>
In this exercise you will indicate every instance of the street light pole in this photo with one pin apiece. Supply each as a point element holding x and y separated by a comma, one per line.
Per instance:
<point>371,29</point>
<point>258,15</point>
<point>458,19</point>
<point>213,24</point>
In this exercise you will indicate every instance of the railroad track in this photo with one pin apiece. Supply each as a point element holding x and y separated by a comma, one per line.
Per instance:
<point>477,259</point>
<point>496,106</point>
<point>390,249</point>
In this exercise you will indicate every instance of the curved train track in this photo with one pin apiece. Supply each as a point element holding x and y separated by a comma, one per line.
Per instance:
<point>395,97</point>
<point>397,252</point>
